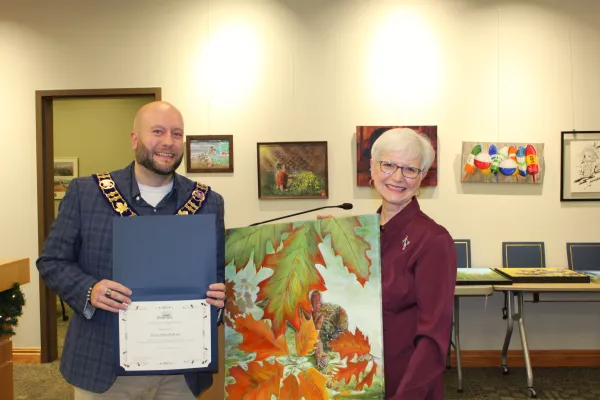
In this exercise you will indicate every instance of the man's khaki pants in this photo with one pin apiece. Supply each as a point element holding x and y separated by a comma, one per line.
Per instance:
<point>157,387</point>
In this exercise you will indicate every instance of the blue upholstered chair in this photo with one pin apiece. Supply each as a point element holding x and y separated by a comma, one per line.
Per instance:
<point>583,256</point>
<point>463,250</point>
<point>522,255</point>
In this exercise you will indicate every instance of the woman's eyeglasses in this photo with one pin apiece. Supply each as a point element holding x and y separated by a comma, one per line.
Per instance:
<point>389,168</point>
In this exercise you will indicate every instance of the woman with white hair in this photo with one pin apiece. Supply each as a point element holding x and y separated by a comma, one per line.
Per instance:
<point>418,262</point>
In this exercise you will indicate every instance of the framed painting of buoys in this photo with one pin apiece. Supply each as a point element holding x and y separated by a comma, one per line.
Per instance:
<point>502,162</point>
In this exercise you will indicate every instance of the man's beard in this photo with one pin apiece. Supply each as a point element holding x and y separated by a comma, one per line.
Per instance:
<point>144,157</point>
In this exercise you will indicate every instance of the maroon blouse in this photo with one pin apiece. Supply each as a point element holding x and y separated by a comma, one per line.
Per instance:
<point>418,261</point>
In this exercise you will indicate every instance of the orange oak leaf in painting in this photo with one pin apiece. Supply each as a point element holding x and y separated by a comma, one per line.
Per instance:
<point>240,243</point>
<point>348,344</point>
<point>349,245</point>
<point>259,382</point>
<point>294,277</point>
<point>352,369</point>
<point>307,337</point>
<point>231,308</point>
<point>368,379</point>
<point>312,385</point>
<point>290,389</point>
<point>259,338</point>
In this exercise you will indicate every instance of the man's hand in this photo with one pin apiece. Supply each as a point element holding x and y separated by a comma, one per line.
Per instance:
<point>216,295</point>
<point>111,296</point>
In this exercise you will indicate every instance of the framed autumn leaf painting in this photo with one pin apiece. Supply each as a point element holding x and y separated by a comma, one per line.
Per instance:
<point>303,316</point>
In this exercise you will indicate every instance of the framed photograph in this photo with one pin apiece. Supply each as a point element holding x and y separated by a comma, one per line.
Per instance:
<point>292,170</point>
<point>367,135</point>
<point>209,153</point>
<point>65,169</point>
<point>580,166</point>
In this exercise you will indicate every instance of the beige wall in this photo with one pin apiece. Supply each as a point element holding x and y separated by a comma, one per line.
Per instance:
<point>313,70</point>
<point>95,131</point>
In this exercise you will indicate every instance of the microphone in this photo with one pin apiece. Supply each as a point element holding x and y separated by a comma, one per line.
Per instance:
<point>344,206</point>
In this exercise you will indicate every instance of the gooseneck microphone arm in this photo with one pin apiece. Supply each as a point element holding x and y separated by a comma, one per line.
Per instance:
<point>345,206</point>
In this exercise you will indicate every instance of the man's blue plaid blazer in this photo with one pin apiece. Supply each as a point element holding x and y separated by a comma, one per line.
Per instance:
<point>78,253</point>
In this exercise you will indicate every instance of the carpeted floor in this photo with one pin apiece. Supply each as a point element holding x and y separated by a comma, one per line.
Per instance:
<point>41,382</point>
<point>44,382</point>
<point>550,383</point>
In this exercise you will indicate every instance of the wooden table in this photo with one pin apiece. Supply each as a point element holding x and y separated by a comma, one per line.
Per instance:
<point>517,314</point>
<point>467,291</point>
<point>11,270</point>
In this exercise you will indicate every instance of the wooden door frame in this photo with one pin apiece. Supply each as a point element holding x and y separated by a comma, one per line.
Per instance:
<point>45,184</point>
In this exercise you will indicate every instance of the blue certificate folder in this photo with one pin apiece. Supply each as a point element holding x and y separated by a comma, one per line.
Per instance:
<point>164,258</point>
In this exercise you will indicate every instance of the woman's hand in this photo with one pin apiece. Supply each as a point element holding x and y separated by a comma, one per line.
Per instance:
<point>324,216</point>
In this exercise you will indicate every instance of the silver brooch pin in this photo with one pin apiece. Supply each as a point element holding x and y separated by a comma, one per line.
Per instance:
<point>405,242</point>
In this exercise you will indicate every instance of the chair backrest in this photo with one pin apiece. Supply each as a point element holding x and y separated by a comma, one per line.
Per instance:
<point>463,251</point>
<point>523,255</point>
<point>583,256</point>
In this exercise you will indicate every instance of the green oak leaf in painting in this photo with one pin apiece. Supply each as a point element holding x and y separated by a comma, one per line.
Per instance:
<point>294,277</point>
<point>347,244</point>
<point>240,242</point>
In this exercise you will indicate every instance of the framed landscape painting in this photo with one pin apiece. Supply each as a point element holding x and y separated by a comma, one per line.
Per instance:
<point>209,153</point>
<point>65,169</point>
<point>292,170</point>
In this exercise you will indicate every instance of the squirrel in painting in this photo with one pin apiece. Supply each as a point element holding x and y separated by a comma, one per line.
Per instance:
<point>331,320</point>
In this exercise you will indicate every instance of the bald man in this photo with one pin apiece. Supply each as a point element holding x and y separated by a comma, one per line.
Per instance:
<point>76,261</point>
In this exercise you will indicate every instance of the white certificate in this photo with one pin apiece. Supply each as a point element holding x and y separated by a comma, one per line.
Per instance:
<point>165,335</point>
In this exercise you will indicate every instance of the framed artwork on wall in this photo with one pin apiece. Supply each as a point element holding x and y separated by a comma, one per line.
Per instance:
<point>209,153</point>
<point>367,135</point>
<point>501,162</point>
<point>292,170</point>
<point>65,169</point>
<point>580,166</point>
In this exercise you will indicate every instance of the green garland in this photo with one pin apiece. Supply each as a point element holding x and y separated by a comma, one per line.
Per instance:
<point>11,308</point>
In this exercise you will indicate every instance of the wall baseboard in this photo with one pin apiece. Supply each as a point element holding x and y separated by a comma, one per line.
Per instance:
<point>539,358</point>
<point>27,355</point>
